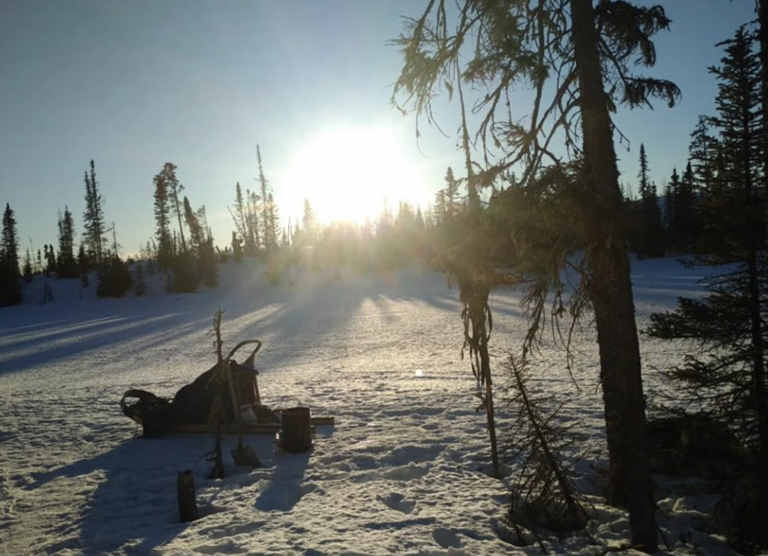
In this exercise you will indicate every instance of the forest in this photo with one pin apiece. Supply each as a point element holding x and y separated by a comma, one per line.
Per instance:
<point>520,214</point>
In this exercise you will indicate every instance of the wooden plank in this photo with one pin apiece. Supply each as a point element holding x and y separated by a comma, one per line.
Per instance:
<point>270,428</point>
<point>318,421</point>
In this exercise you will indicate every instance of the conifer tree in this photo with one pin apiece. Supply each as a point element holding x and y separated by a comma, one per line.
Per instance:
<point>140,283</point>
<point>577,57</point>
<point>670,196</point>
<point>254,222</point>
<point>66,266</point>
<point>162,210</point>
<point>50,260</point>
<point>173,189</point>
<point>196,233</point>
<point>701,154</point>
<point>651,241</point>
<point>246,220</point>
<point>451,196</point>
<point>439,211</point>
<point>83,265</point>
<point>727,375</point>
<point>27,272</point>
<point>208,267</point>
<point>309,222</point>
<point>237,248</point>
<point>273,220</point>
<point>10,273</point>
<point>686,227</point>
<point>93,218</point>
<point>267,229</point>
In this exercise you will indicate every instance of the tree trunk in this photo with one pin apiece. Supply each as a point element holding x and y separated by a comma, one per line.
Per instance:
<point>480,332</point>
<point>762,15</point>
<point>754,241</point>
<point>610,290</point>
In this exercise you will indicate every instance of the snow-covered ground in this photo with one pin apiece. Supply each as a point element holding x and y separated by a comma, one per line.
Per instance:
<point>402,471</point>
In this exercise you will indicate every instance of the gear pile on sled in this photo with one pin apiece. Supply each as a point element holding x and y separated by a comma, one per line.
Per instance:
<point>237,391</point>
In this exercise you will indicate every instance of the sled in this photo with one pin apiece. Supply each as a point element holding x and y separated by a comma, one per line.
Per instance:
<point>258,428</point>
<point>191,409</point>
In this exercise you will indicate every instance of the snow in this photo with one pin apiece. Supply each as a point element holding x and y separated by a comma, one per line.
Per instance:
<point>403,471</point>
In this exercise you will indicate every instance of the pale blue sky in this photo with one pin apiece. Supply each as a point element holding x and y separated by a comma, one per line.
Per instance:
<point>133,84</point>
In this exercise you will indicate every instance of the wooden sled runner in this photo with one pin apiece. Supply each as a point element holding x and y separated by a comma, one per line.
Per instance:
<point>191,409</point>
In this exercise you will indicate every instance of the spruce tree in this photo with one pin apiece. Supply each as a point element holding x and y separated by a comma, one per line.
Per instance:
<point>273,220</point>
<point>727,375</point>
<point>578,58</point>
<point>83,265</point>
<point>140,283</point>
<point>50,260</point>
<point>246,220</point>
<point>162,209</point>
<point>670,203</point>
<point>254,222</point>
<point>196,234</point>
<point>27,272</point>
<point>451,196</point>
<point>237,248</point>
<point>93,219</point>
<point>66,265</point>
<point>686,225</point>
<point>10,273</point>
<point>267,238</point>
<point>309,222</point>
<point>651,240</point>
<point>173,189</point>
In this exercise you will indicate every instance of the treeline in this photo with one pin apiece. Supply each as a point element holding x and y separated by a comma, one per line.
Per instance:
<point>95,252</point>
<point>183,249</point>
<point>723,176</point>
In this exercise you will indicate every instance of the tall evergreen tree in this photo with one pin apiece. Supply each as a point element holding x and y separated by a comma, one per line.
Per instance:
<point>27,271</point>
<point>10,274</point>
<point>577,57</point>
<point>196,232</point>
<point>66,265</point>
<point>173,189</point>
<point>83,265</point>
<point>651,232</point>
<point>237,248</point>
<point>686,225</point>
<point>246,220</point>
<point>670,195</point>
<point>162,208</point>
<point>451,196</point>
<point>93,218</point>
<point>267,238</point>
<point>439,211</point>
<point>273,220</point>
<point>309,233</point>
<point>728,373</point>
<point>50,260</point>
<point>254,221</point>
<point>701,154</point>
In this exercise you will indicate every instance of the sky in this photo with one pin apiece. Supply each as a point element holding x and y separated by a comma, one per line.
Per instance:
<point>133,84</point>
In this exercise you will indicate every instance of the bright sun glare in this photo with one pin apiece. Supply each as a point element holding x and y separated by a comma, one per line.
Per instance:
<point>347,173</point>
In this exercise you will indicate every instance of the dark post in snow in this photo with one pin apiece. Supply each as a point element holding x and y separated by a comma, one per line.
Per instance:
<point>185,490</point>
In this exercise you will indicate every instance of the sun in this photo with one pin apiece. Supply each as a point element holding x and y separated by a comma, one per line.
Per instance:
<point>347,174</point>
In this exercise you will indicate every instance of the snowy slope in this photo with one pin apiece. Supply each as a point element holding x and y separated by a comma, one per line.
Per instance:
<point>402,472</point>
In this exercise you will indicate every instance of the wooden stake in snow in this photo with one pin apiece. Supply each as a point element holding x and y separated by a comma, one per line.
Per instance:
<point>185,491</point>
